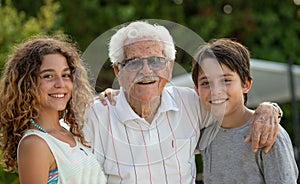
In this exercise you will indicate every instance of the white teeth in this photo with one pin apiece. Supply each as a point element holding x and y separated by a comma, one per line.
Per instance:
<point>58,95</point>
<point>218,101</point>
<point>146,81</point>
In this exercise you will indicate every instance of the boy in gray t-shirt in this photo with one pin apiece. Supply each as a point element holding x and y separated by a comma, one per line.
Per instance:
<point>223,89</point>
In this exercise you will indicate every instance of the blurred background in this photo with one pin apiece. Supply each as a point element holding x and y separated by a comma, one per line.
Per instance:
<point>269,29</point>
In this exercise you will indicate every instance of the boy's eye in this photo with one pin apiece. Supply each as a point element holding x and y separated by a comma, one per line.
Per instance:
<point>204,83</point>
<point>227,80</point>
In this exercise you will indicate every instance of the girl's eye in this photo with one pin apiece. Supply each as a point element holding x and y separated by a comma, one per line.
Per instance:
<point>68,76</point>
<point>47,76</point>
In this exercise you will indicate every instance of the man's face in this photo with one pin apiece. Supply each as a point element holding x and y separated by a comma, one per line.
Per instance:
<point>145,71</point>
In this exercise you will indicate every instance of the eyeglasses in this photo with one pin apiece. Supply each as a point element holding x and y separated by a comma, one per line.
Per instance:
<point>136,64</point>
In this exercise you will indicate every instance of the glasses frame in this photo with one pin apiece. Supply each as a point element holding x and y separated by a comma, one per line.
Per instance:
<point>159,59</point>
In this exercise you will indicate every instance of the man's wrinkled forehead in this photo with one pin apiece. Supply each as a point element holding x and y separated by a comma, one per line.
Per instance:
<point>143,48</point>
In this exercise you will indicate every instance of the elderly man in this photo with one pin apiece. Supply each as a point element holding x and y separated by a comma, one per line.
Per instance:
<point>151,133</point>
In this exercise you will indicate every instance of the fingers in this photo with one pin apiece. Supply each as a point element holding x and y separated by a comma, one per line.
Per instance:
<point>272,137</point>
<point>101,97</point>
<point>263,131</point>
<point>257,127</point>
<point>110,94</point>
<point>256,134</point>
<point>247,140</point>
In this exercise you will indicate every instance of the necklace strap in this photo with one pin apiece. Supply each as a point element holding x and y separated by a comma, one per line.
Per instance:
<point>37,126</point>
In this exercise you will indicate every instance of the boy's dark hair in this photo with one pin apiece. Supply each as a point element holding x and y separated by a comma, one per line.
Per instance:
<point>230,53</point>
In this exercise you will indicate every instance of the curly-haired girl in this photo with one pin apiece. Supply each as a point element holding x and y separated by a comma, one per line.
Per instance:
<point>44,81</point>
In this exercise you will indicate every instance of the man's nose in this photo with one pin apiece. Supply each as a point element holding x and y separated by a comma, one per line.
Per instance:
<point>146,68</point>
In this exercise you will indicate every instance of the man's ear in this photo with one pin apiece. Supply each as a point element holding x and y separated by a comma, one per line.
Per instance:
<point>196,90</point>
<point>247,86</point>
<point>116,70</point>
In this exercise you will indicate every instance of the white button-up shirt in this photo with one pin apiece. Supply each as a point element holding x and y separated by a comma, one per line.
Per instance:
<point>131,150</point>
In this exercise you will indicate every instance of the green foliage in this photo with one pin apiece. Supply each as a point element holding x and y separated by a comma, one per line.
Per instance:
<point>269,29</point>
<point>15,26</point>
<point>5,177</point>
<point>276,32</point>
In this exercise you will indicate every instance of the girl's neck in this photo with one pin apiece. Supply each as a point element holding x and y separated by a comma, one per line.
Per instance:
<point>48,120</point>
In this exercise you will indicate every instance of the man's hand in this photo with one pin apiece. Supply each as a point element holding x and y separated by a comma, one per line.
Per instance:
<point>109,94</point>
<point>264,127</point>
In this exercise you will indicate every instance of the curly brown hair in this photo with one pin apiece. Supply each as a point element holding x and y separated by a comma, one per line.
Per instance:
<point>20,97</point>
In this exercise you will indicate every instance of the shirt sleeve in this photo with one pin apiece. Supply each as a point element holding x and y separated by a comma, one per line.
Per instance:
<point>279,165</point>
<point>92,131</point>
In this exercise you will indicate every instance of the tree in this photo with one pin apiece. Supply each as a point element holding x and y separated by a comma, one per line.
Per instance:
<point>15,26</point>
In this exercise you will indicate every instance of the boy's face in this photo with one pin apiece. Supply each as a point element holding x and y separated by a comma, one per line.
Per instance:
<point>220,89</point>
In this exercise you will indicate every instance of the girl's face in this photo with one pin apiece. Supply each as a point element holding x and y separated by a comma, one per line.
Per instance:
<point>55,82</point>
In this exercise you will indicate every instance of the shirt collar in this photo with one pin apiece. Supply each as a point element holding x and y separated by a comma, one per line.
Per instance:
<point>125,112</point>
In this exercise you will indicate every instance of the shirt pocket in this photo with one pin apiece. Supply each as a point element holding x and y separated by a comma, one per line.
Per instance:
<point>183,158</point>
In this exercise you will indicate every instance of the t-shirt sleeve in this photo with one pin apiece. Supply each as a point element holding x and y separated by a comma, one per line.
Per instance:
<point>279,165</point>
<point>207,135</point>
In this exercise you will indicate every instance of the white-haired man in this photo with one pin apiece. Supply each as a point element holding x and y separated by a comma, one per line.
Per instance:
<point>151,133</point>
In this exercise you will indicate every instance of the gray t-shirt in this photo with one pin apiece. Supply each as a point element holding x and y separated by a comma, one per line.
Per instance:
<point>229,160</point>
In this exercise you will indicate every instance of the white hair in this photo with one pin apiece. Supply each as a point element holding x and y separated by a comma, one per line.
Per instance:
<point>138,31</point>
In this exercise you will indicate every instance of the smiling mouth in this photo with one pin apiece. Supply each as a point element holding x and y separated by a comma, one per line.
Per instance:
<point>219,101</point>
<point>58,95</point>
<point>146,82</point>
